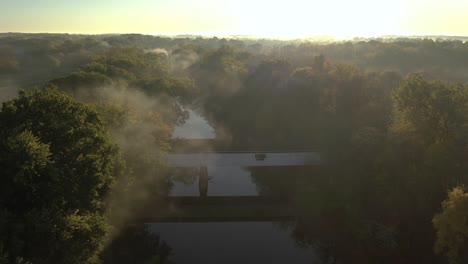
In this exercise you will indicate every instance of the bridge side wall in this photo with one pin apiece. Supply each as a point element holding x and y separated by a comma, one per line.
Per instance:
<point>243,159</point>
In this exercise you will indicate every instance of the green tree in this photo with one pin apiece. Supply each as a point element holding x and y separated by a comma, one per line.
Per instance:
<point>451,226</point>
<point>433,110</point>
<point>57,165</point>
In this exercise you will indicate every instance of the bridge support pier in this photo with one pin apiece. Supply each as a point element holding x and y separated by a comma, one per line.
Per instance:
<point>203,181</point>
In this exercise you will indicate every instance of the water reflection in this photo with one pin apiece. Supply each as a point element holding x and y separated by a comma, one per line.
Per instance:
<point>223,181</point>
<point>195,127</point>
<point>232,242</point>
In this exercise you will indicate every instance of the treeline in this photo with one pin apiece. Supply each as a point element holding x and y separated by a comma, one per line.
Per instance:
<point>81,158</point>
<point>33,59</point>
<point>377,197</point>
<point>392,145</point>
<point>80,155</point>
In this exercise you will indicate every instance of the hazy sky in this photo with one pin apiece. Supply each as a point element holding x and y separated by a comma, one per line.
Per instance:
<point>269,18</point>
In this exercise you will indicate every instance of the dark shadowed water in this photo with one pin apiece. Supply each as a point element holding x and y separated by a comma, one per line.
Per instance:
<point>232,242</point>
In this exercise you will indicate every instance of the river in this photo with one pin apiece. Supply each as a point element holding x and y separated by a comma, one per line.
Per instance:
<point>226,242</point>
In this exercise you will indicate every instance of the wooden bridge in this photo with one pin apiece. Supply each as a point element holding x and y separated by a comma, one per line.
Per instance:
<point>243,159</point>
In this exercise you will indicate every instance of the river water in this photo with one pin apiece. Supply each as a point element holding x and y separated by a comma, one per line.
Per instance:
<point>226,242</point>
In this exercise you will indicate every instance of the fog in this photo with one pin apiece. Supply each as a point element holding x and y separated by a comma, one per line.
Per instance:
<point>386,118</point>
<point>8,90</point>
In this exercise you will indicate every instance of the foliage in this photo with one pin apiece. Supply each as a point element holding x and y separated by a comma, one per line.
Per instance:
<point>390,150</point>
<point>452,227</point>
<point>433,109</point>
<point>57,166</point>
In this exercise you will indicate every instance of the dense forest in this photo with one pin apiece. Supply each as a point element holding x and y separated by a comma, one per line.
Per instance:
<point>85,121</point>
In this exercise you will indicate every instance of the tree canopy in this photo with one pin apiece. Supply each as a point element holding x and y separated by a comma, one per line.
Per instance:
<point>57,164</point>
<point>452,227</point>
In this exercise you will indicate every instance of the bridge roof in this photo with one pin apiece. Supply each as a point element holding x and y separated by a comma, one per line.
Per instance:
<point>243,159</point>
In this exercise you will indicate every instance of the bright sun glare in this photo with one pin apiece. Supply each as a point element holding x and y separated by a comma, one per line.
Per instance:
<point>272,19</point>
<point>341,19</point>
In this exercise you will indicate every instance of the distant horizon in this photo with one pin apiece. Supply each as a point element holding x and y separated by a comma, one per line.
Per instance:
<point>240,35</point>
